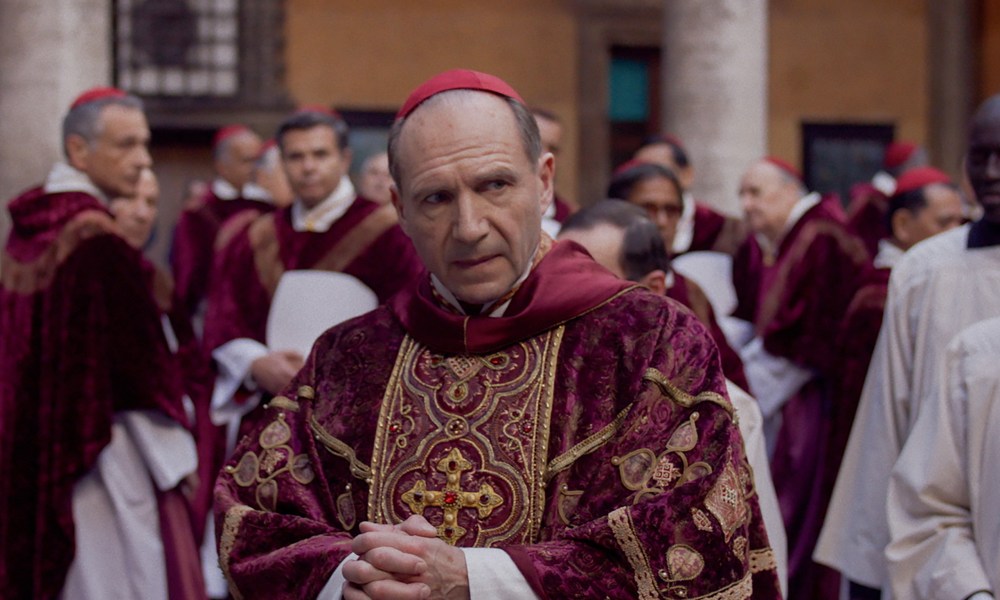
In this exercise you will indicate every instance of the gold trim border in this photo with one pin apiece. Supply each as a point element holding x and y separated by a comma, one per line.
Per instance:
<point>595,441</point>
<point>234,517</point>
<point>620,521</point>
<point>680,396</point>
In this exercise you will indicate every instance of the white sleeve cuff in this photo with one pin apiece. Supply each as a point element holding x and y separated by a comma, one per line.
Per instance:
<point>234,360</point>
<point>981,596</point>
<point>773,379</point>
<point>494,576</point>
<point>334,588</point>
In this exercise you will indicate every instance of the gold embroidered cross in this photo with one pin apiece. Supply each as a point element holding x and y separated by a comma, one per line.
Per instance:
<point>451,499</point>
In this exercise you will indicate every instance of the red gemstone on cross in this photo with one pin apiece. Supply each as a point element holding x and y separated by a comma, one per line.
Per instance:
<point>450,497</point>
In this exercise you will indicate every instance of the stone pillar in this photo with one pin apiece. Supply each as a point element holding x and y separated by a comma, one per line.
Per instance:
<point>715,89</point>
<point>951,59</point>
<point>50,51</point>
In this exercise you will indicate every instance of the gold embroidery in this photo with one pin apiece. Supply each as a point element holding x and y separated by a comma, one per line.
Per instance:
<point>620,522</point>
<point>685,437</point>
<point>498,419</point>
<point>635,468</point>
<point>566,459</point>
<point>762,560</point>
<point>283,403</point>
<point>277,458</point>
<point>341,450</point>
<point>568,501</point>
<point>452,498</point>
<point>680,396</point>
<point>740,548</point>
<point>345,509</point>
<point>741,590</point>
<point>276,433</point>
<point>231,525</point>
<point>684,563</point>
<point>665,472</point>
<point>701,520</point>
<point>726,501</point>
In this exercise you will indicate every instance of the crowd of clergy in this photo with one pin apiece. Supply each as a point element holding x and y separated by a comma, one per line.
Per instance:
<point>858,339</point>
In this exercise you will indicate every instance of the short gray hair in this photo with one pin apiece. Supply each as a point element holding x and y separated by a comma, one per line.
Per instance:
<point>527,128</point>
<point>85,120</point>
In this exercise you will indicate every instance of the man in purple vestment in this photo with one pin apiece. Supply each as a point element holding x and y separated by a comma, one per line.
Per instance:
<point>803,268</point>
<point>516,423</point>
<point>83,363</point>
<point>235,150</point>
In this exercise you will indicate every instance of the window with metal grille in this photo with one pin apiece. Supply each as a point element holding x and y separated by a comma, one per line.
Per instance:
<point>200,53</point>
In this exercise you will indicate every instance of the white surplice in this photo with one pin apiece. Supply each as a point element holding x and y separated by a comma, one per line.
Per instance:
<point>944,500</point>
<point>937,288</point>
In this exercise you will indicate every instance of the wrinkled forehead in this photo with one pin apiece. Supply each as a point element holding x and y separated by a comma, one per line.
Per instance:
<point>457,115</point>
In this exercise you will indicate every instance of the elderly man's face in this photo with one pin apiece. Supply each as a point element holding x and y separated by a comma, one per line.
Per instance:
<point>767,199</point>
<point>469,197</point>
<point>236,163</point>
<point>115,160</point>
<point>983,161</point>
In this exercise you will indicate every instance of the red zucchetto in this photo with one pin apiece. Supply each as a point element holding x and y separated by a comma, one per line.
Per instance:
<point>97,93</point>
<point>786,167</point>
<point>919,177</point>
<point>457,79</point>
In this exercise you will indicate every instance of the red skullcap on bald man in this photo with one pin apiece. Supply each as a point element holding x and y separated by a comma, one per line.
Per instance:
<point>786,167</point>
<point>898,153</point>
<point>95,94</point>
<point>919,177</point>
<point>227,132</point>
<point>457,79</point>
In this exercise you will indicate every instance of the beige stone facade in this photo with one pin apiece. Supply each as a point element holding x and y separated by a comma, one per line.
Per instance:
<point>896,62</point>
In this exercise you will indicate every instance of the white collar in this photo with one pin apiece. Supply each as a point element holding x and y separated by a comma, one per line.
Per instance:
<point>684,234</point>
<point>224,190</point>
<point>322,216</point>
<point>884,183</point>
<point>498,311</point>
<point>888,255</point>
<point>64,178</point>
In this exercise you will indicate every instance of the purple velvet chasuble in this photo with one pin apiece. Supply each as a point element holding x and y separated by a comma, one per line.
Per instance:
<point>81,339</point>
<point>586,432</point>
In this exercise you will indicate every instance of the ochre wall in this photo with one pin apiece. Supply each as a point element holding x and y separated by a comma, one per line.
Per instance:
<point>369,55</point>
<point>846,61</point>
<point>989,49</point>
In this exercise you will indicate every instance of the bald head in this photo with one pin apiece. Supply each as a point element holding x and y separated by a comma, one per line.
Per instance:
<point>235,157</point>
<point>524,122</point>
<point>768,194</point>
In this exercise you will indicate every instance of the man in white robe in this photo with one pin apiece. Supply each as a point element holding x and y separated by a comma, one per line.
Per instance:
<point>943,504</point>
<point>940,286</point>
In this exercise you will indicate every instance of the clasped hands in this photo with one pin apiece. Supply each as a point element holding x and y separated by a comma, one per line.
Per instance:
<point>405,561</point>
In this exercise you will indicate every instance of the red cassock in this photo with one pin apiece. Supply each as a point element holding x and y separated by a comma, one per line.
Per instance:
<point>366,242</point>
<point>82,340</point>
<point>586,433</point>
<point>797,301</point>
<point>866,215</point>
<point>194,243</point>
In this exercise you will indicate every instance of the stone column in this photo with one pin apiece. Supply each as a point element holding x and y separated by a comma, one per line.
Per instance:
<point>50,51</point>
<point>715,89</point>
<point>951,59</point>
